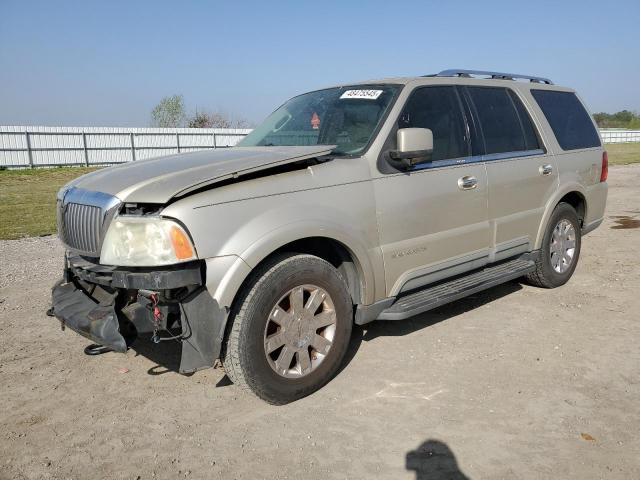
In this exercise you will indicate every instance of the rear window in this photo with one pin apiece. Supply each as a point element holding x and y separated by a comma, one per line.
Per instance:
<point>506,125</point>
<point>570,122</point>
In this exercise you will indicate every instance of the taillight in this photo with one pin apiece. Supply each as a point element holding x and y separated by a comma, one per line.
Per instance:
<point>604,173</point>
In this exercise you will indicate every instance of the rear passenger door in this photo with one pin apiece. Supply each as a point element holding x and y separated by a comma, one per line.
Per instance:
<point>521,176</point>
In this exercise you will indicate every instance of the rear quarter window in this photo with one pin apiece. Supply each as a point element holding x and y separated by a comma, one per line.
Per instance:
<point>570,122</point>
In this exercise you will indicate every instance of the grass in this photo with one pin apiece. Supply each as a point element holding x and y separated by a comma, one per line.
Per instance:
<point>28,197</point>
<point>28,200</point>
<point>623,153</point>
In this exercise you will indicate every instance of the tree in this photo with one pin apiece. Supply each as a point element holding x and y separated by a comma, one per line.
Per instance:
<point>169,113</point>
<point>216,120</point>
<point>622,119</point>
<point>199,120</point>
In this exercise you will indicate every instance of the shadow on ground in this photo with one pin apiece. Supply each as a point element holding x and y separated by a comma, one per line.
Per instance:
<point>166,355</point>
<point>427,319</point>
<point>434,460</point>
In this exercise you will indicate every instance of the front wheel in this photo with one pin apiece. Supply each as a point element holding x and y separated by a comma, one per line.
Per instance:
<point>290,328</point>
<point>560,249</point>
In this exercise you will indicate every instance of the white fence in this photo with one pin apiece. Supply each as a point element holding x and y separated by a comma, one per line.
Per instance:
<point>611,135</point>
<point>58,146</point>
<point>33,147</point>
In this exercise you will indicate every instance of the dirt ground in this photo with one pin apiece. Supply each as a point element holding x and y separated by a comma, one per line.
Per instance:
<point>516,382</point>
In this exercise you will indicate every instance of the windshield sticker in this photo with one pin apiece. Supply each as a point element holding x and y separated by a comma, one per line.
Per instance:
<point>364,94</point>
<point>315,121</point>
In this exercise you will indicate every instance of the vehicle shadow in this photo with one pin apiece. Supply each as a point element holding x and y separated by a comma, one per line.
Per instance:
<point>373,330</point>
<point>437,315</point>
<point>434,460</point>
<point>167,355</point>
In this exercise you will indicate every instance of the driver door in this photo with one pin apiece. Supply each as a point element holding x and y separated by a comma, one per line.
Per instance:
<point>433,219</point>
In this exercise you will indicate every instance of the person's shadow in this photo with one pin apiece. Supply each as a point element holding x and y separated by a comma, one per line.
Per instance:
<point>434,460</point>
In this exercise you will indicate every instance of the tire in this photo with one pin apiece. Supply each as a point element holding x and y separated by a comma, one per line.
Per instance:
<point>268,312</point>
<point>547,274</point>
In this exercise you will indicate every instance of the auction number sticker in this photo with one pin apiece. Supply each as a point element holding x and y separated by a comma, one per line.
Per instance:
<point>365,94</point>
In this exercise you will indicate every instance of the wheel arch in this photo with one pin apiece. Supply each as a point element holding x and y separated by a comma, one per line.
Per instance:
<point>334,252</point>
<point>347,255</point>
<point>574,195</point>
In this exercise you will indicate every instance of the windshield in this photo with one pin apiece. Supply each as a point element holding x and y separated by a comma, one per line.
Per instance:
<point>344,116</point>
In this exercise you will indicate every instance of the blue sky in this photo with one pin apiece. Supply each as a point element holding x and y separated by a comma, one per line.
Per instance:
<point>108,63</point>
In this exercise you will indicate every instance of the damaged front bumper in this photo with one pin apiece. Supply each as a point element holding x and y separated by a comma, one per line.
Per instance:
<point>112,306</point>
<point>83,315</point>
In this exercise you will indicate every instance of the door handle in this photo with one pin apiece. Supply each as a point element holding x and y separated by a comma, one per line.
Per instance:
<point>545,169</point>
<point>467,182</point>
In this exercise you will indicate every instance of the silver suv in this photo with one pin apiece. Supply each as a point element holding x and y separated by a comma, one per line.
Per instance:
<point>372,201</point>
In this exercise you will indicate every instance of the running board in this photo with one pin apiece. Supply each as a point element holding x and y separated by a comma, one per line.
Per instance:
<point>448,291</point>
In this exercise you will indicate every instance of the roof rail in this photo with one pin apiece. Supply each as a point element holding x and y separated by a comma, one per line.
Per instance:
<point>495,75</point>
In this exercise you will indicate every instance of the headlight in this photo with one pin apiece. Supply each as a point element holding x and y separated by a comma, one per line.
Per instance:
<point>145,242</point>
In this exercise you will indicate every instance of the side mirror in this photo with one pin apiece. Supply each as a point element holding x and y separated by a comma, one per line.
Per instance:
<point>415,146</point>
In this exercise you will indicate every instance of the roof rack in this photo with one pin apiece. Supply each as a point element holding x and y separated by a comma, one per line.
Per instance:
<point>494,75</point>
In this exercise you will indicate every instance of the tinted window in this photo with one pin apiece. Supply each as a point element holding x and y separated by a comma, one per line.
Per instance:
<point>569,121</point>
<point>530,135</point>
<point>438,109</point>
<point>503,128</point>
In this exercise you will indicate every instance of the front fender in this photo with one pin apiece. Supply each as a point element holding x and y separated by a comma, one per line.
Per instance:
<point>226,274</point>
<point>290,232</point>
<point>253,228</point>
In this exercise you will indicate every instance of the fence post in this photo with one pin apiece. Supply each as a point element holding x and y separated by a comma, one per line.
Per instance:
<point>84,147</point>
<point>133,147</point>
<point>214,141</point>
<point>178,141</point>
<point>29,152</point>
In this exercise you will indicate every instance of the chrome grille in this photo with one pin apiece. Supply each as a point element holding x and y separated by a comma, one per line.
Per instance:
<point>81,227</point>
<point>83,217</point>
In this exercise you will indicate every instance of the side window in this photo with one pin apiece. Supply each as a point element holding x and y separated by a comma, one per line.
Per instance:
<point>568,119</point>
<point>503,128</point>
<point>438,109</point>
<point>530,136</point>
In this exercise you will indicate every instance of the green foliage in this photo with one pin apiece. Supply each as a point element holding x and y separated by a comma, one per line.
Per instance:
<point>623,153</point>
<point>216,120</point>
<point>623,119</point>
<point>169,113</point>
<point>200,120</point>
<point>28,199</point>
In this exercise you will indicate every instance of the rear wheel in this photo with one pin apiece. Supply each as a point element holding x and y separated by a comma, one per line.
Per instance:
<point>560,249</point>
<point>290,328</point>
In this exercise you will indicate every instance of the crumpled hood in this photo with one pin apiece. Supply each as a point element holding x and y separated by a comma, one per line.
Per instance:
<point>158,180</point>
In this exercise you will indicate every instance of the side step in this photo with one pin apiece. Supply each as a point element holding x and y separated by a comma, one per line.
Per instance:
<point>448,291</point>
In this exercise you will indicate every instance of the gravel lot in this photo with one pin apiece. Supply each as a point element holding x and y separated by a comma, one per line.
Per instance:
<point>516,382</point>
